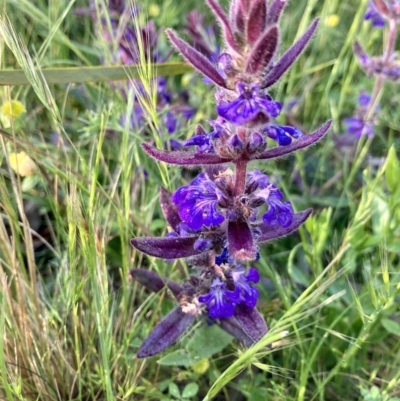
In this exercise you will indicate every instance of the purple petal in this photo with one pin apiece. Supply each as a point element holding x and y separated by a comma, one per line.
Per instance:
<point>253,275</point>
<point>166,332</point>
<point>251,322</point>
<point>183,158</point>
<point>289,57</point>
<point>256,21</point>
<point>220,14</point>
<point>153,282</point>
<point>263,51</point>
<point>269,233</point>
<point>275,11</point>
<point>169,209</point>
<point>240,241</point>
<point>195,58</point>
<point>166,248</point>
<point>301,143</point>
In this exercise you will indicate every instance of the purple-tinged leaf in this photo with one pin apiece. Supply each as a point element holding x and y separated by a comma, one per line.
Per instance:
<point>256,21</point>
<point>232,327</point>
<point>275,11</point>
<point>183,158</point>
<point>155,283</point>
<point>237,16</point>
<point>166,247</point>
<point>166,332</point>
<point>300,143</point>
<point>382,7</point>
<point>269,233</point>
<point>289,57</point>
<point>263,51</point>
<point>169,209</point>
<point>240,241</point>
<point>360,53</point>
<point>252,323</point>
<point>201,63</point>
<point>220,14</point>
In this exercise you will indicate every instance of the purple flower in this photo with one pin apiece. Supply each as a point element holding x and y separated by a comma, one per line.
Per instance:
<point>252,106</point>
<point>220,301</point>
<point>198,203</point>
<point>356,125</point>
<point>282,134</point>
<point>248,294</point>
<point>374,16</point>
<point>278,212</point>
<point>170,122</point>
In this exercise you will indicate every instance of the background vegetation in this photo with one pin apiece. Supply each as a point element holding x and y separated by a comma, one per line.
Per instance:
<point>71,320</point>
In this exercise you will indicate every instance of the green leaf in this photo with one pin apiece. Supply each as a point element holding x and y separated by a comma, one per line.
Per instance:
<point>177,358</point>
<point>91,74</point>
<point>207,341</point>
<point>190,390</point>
<point>391,326</point>
<point>392,170</point>
<point>174,390</point>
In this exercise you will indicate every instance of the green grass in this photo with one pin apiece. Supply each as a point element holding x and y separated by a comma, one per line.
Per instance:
<point>71,320</point>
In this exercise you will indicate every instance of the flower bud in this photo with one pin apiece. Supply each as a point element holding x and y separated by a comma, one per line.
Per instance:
<point>256,144</point>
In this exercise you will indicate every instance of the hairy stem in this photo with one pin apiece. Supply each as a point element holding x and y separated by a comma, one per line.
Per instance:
<point>240,177</point>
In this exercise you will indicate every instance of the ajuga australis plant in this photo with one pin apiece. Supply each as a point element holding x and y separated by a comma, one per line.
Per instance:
<point>220,219</point>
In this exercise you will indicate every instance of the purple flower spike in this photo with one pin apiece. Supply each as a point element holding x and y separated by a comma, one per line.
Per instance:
<point>263,51</point>
<point>220,301</point>
<point>166,332</point>
<point>374,16</point>
<point>240,241</point>
<point>198,203</point>
<point>289,57</point>
<point>166,248</point>
<point>196,59</point>
<point>257,20</point>
<point>251,106</point>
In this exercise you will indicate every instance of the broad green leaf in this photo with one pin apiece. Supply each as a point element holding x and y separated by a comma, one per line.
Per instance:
<point>392,170</point>
<point>190,390</point>
<point>207,341</point>
<point>391,326</point>
<point>174,390</point>
<point>177,358</point>
<point>91,74</point>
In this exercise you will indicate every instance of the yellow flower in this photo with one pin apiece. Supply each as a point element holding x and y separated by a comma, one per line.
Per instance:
<point>22,164</point>
<point>332,20</point>
<point>154,10</point>
<point>13,109</point>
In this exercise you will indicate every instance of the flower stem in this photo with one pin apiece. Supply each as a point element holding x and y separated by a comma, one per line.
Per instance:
<point>240,178</point>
